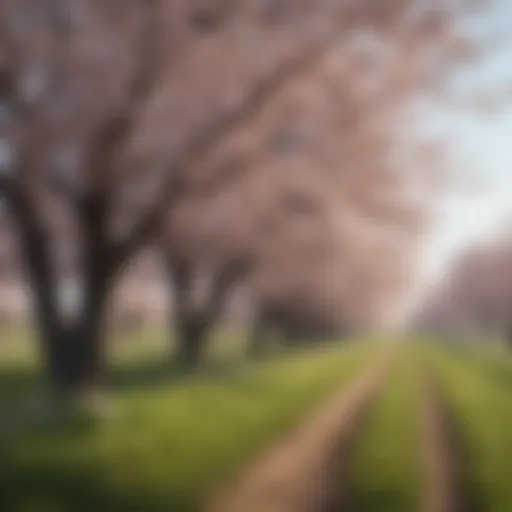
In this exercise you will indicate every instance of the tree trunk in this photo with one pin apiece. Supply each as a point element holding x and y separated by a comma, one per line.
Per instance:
<point>74,354</point>
<point>256,344</point>
<point>259,337</point>
<point>195,318</point>
<point>192,336</point>
<point>72,348</point>
<point>292,334</point>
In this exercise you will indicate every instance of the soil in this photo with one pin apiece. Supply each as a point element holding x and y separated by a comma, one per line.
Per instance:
<point>302,473</point>
<point>446,459</point>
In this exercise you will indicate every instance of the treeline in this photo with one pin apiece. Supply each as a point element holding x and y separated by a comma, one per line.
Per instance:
<point>475,298</point>
<point>250,142</point>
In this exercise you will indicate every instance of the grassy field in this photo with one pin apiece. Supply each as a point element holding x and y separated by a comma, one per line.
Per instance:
<point>385,475</point>
<point>479,389</point>
<point>172,440</point>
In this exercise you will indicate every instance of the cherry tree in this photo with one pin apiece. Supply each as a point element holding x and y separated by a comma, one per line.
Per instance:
<point>264,208</point>
<point>475,296</point>
<point>108,108</point>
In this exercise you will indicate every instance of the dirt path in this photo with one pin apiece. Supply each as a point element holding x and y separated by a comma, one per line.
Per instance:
<point>298,475</point>
<point>445,456</point>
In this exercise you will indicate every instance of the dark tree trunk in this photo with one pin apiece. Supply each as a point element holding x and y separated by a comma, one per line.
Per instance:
<point>74,356</point>
<point>272,326</point>
<point>188,339</point>
<point>195,320</point>
<point>257,340</point>
<point>74,347</point>
<point>293,334</point>
<point>192,337</point>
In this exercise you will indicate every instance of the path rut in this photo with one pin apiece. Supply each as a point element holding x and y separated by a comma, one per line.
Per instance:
<point>445,456</point>
<point>298,475</point>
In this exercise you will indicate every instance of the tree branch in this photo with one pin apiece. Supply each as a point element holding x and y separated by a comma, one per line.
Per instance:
<point>37,257</point>
<point>216,131</point>
<point>224,173</point>
<point>5,186</point>
<point>93,207</point>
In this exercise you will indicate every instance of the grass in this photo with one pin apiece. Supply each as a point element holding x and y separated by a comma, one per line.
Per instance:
<point>173,440</point>
<point>479,388</point>
<point>385,475</point>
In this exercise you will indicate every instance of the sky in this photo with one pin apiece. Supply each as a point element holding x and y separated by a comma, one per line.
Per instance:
<point>482,143</point>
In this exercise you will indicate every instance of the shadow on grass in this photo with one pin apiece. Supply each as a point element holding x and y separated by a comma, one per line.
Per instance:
<point>75,489</point>
<point>41,471</point>
<point>39,474</point>
<point>40,481</point>
<point>22,388</point>
<point>16,386</point>
<point>154,373</point>
<point>16,382</point>
<point>155,370</point>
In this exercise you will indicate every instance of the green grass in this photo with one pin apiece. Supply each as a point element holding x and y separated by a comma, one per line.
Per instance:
<point>479,388</point>
<point>173,440</point>
<point>140,359</point>
<point>385,475</point>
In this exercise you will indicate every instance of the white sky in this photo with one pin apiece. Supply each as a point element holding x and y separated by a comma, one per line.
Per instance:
<point>483,143</point>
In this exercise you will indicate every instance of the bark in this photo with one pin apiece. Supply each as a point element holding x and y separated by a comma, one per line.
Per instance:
<point>292,335</point>
<point>258,339</point>
<point>266,326</point>
<point>74,356</point>
<point>192,337</point>
<point>293,332</point>
<point>195,321</point>
<point>72,349</point>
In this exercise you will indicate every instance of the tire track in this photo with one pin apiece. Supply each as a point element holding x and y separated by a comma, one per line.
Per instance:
<point>446,458</point>
<point>382,473</point>
<point>302,474</point>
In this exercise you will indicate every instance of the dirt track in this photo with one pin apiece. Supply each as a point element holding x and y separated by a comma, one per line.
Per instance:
<point>438,492</point>
<point>298,475</point>
<point>445,456</point>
